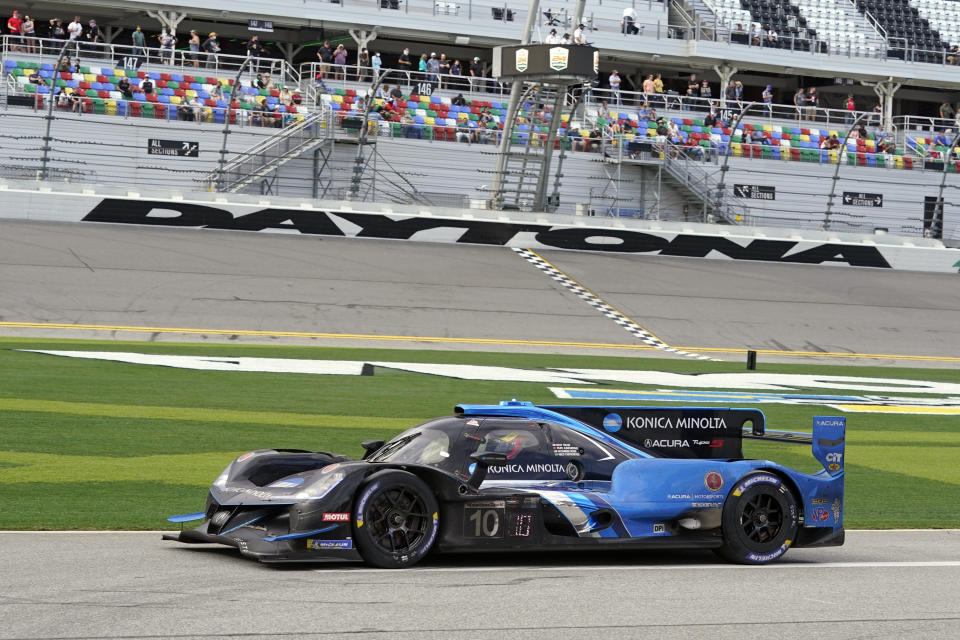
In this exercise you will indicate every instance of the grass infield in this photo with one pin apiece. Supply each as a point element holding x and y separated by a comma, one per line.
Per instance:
<point>88,444</point>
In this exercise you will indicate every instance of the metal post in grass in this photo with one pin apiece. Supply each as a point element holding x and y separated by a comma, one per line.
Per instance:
<point>226,124</point>
<point>836,172</point>
<point>49,117</point>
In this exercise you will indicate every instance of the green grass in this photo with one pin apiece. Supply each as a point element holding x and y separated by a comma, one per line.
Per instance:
<point>95,444</point>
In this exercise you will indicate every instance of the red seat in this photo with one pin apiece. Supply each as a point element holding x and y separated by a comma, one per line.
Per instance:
<point>141,74</point>
<point>84,84</point>
<point>756,151</point>
<point>688,122</point>
<point>276,94</point>
<point>179,92</point>
<point>66,76</point>
<point>189,79</point>
<point>166,77</point>
<point>292,109</point>
<point>352,93</point>
<point>805,132</point>
<point>151,98</point>
<point>785,136</point>
<point>794,153</point>
<point>135,109</point>
<point>87,105</point>
<point>908,162</point>
<point>103,94</point>
<point>102,78</point>
<point>210,102</point>
<point>159,111</point>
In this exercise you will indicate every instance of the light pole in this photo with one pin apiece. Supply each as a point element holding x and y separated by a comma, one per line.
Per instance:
<point>836,172</point>
<point>226,124</point>
<point>726,157</point>
<point>49,117</point>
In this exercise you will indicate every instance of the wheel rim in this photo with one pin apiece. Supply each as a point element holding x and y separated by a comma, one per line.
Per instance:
<point>398,520</point>
<point>762,518</point>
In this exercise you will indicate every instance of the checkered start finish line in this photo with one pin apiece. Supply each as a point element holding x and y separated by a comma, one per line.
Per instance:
<point>594,301</point>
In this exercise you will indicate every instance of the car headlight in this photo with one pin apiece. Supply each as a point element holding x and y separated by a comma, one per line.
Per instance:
<point>321,487</point>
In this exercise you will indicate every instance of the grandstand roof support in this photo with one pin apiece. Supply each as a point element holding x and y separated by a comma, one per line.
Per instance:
<point>721,185</point>
<point>885,90</point>
<point>836,172</point>
<point>726,73</point>
<point>169,19</point>
<point>362,38</point>
<point>109,33</point>
<point>289,50</point>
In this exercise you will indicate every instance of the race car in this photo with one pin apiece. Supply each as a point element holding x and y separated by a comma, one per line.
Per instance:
<point>515,476</point>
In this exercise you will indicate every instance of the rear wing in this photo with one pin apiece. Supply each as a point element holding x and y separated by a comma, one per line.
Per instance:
<point>828,441</point>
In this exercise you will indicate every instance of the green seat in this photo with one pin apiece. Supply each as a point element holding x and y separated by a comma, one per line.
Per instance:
<point>698,123</point>
<point>686,128</point>
<point>90,93</point>
<point>29,88</point>
<point>99,106</point>
<point>172,84</point>
<point>880,161</point>
<point>851,158</point>
<point>397,131</point>
<point>24,64</point>
<point>431,113</point>
<point>474,117</point>
<point>60,82</point>
<point>705,144</point>
<point>426,132</point>
<point>767,153</point>
<point>114,80</point>
<point>339,92</point>
<point>84,69</point>
<point>736,138</point>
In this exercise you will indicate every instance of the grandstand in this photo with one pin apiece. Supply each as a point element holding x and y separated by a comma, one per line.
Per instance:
<point>300,136</point>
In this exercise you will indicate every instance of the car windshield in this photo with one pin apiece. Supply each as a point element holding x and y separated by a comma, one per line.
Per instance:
<point>420,445</point>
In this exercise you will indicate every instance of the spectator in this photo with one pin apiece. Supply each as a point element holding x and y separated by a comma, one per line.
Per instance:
<point>396,93</point>
<point>799,100</point>
<point>254,50</point>
<point>459,100</point>
<point>731,93</point>
<point>65,66</point>
<point>147,86</point>
<point>578,37</point>
<point>711,118</point>
<point>15,26</point>
<point>456,69</point>
<point>947,112</point>
<point>941,139</point>
<point>422,64</point>
<point>738,92</point>
<point>444,69</point>
<point>408,127</point>
<point>705,93</point>
<point>565,40</point>
<point>94,36</point>
<point>74,31</point>
<point>464,134</point>
<point>325,56</point>
<point>124,87</point>
<point>34,77</point>
<point>194,43</point>
<point>850,106</point>
<point>615,85</point>
<point>771,38</point>
<point>832,142</point>
<point>880,134</point>
<point>286,98</point>
<point>29,33</point>
<point>404,63</point>
<point>813,101</point>
<point>258,82</point>
<point>167,43</point>
<point>433,67</point>
<point>57,32</point>
<point>363,63</point>
<point>476,73</point>
<point>647,86</point>
<point>139,42</point>
<point>767,97</point>
<point>628,22</point>
<point>658,90</point>
<point>376,63</point>
<point>73,100</point>
<point>212,47</point>
<point>268,83</point>
<point>953,57</point>
<point>340,62</point>
<point>756,34</point>
<point>552,38</point>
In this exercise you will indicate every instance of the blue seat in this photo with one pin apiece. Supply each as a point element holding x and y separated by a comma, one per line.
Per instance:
<point>121,107</point>
<point>497,105</point>
<point>97,86</point>
<point>281,109</point>
<point>335,106</point>
<point>623,116</point>
<point>165,99</point>
<point>871,160</point>
<point>10,64</point>
<point>435,100</point>
<point>176,77</point>
<point>419,120</point>
<point>222,103</point>
<point>173,112</point>
<point>824,156</point>
<point>166,92</point>
<point>775,153</point>
<point>46,66</point>
<point>46,74</point>
<point>218,116</point>
<point>73,84</point>
<point>203,95</point>
<point>43,89</point>
<point>196,86</point>
<point>153,75</point>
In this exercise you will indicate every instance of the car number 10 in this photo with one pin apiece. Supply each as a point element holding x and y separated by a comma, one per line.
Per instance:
<point>486,523</point>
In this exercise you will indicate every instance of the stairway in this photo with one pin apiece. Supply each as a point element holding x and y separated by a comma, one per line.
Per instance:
<point>266,157</point>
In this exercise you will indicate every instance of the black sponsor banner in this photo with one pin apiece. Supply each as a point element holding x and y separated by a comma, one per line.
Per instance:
<point>755,191</point>
<point>673,433</point>
<point>180,148</point>
<point>544,60</point>
<point>859,199</point>
<point>206,216</point>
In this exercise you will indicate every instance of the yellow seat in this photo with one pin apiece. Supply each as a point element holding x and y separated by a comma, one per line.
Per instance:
<point>337,99</point>
<point>90,77</point>
<point>737,149</point>
<point>430,120</point>
<point>898,161</point>
<point>805,137</point>
<point>191,92</point>
<point>111,107</point>
<point>379,102</point>
<point>175,99</point>
<point>768,128</point>
<point>565,117</point>
<point>462,116</point>
<point>834,156</point>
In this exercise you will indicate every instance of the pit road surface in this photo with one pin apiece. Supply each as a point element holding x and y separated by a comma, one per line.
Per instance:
<point>85,273</point>
<point>889,584</point>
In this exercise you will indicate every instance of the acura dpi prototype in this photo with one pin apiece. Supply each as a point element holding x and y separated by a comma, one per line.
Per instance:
<point>515,476</point>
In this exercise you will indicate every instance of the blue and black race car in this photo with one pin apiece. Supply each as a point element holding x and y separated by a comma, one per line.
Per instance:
<point>515,476</point>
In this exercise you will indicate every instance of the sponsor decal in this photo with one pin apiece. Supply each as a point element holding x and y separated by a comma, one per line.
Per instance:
<point>343,223</point>
<point>833,466</point>
<point>695,496</point>
<point>329,544</point>
<point>767,557</point>
<point>713,481</point>
<point>256,493</point>
<point>433,535</point>
<point>246,456</point>
<point>523,59</point>
<point>559,57</point>
<point>820,501</point>
<point>528,468</point>
<point>665,422</point>
<point>473,423</point>
<point>330,467</point>
<point>336,517</point>
<point>835,508</point>
<point>749,482</point>
<point>820,514</point>
<point>705,505</point>
<point>612,422</point>
<point>486,504</point>
<point>659,528</point>
<point>833,457</point>
<point>649,443</point>
<point>678,496</point>
<point>596,61</point>
<point>567,450</point>
<point>287,483</point>
<point>363,502</point>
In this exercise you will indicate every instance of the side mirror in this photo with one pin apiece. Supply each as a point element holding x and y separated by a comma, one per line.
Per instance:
<point>369,446</point>
<point>484,460</point>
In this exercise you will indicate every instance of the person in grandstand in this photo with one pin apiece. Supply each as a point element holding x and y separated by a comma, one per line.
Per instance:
<point>57,32</point>
<point>286,98</point>
<point>340,62</point>
<point>194,44</point>
<point>767,97</point>
<point>705,93</point>
<point>404,63</point>
<point>850,107</point>
<point>614,81</point>
<point>947,112</point>
<point>29,33</point>
<point>565,40</point>
<point>799,100</point>
<point>433,67</point>
<point>34,77</point>
<point>14,26</point>
<point>167,43</point>
<point>254,50</point>
<point>376,63</point>
<point>552,37</point>
<point>578,36</point>
<point>443,69</point>
<point>476,72</point>
<point>125,88</point>
<point>146,86</point>
<point>74,31</point>
<point>628,21</point>
<point>813,102</point>
<point>363,63</point>
<point>94,36</point>
<point>139,42</point>
<point>211,47</point>
<point>325,56</point>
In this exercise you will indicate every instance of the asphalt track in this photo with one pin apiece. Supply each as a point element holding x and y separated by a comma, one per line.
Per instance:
<point>175,284</point>
<point>891,584</point>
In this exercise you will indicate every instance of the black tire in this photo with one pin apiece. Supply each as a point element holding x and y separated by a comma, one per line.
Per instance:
<point>760,519</point>
<point>395,519</point>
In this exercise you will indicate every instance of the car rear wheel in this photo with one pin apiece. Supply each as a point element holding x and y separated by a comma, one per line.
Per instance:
<point>395,519</point>
<point>760,519</point>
